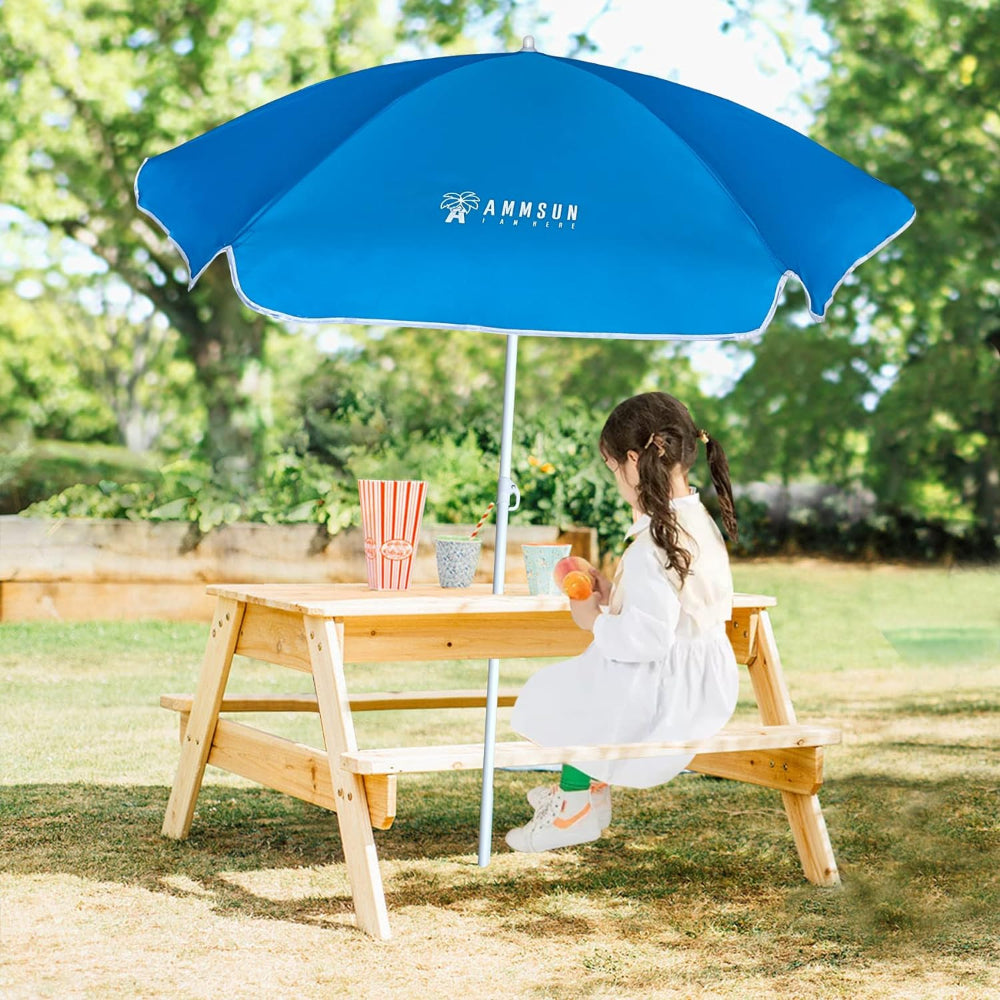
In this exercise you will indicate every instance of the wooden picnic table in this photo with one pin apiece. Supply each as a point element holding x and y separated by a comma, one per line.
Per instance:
<point>318,628</point>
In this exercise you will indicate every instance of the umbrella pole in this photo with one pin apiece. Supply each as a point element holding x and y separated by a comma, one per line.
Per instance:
<point>505,490</point>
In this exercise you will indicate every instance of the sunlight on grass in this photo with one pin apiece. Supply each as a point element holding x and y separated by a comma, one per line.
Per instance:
<point>695,889</point>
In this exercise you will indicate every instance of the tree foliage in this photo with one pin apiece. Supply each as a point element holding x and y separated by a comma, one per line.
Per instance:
<point>914,90</point>
<point>896,390</point>
<point>92,89</point>
<point>912,97</point>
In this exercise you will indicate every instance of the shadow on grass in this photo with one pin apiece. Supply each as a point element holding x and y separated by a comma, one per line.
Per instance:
<point>919,859</point>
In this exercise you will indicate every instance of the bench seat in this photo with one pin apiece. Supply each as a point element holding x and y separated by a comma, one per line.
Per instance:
<point>469,756</point>
<point>789,758</point>
<point>380,701</point>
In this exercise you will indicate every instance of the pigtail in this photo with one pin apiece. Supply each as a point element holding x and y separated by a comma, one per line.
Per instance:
<point>719,468</point>
<point>654,499</point>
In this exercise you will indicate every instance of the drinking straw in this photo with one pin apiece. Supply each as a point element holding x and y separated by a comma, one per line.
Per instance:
<point>482,520</point>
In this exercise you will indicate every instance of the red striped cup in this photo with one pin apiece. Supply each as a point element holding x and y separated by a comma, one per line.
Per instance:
<point>391,511</point>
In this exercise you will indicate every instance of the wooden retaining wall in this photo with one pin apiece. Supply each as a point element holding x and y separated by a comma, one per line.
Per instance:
<point>78,569</point>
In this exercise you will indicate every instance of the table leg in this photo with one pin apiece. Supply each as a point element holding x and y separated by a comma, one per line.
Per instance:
<point>200,729</point>
<point>804,814</point>
<point>326,650</point>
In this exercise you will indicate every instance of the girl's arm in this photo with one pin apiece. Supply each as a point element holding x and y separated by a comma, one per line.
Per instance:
<point>647,624</point>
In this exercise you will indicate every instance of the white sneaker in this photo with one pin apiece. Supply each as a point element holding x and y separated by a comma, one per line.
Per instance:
<point>563,820</point>
<point>600,799</point>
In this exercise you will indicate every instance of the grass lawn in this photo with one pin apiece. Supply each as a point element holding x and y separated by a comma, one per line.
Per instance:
<point>694,891</point>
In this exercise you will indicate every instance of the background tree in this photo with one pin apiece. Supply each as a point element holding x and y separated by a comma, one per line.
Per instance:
<point>915,89</point>
<point>799,412</point>
<point>912,96</point>
<point>90,90</point>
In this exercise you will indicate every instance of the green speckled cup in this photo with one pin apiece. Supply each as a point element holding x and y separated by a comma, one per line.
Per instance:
<point>457,559</point>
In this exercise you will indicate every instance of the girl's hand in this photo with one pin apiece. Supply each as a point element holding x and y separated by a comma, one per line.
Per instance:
<point>585,612</point>
<point>602,586</point>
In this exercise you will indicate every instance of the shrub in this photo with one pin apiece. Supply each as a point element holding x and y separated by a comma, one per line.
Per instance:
<point>32,471</point>
<point>290,489</point>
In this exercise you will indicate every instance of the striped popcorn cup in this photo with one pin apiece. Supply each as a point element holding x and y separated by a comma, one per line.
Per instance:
<point>391,510</point>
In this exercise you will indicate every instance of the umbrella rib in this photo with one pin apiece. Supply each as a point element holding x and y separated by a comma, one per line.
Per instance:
<point>583,67</point>
<point>362,126</point>
<point>787,271</point>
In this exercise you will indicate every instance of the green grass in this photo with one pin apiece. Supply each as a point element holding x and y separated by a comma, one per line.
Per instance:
<point>695,890</point>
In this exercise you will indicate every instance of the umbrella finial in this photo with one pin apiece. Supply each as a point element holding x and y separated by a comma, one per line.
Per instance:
<point>528,44</point>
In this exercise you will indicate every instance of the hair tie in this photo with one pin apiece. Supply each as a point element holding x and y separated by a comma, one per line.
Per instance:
<point>659,447</point>
<point>703,435</point>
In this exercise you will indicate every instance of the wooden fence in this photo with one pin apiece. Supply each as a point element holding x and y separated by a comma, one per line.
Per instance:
<point>77,569</point>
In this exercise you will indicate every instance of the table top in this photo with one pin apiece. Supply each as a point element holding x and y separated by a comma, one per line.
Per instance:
<point>347,600</point>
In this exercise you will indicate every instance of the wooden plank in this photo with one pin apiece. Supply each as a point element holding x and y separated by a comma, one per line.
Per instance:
<point>326,647</point>
<point>247,703</point>
<point>811,838</point>
<point>377,701</point>
<point>768,679</point>
<point>289,767</point>
<point>805,817</point>
<point>380,794</point>
<point>204,715</point>
<point>795,770</point>
<point>741,630</point>
<point>464,636</point>
<point>275,636</point>
<point>469,756</point>
<point>344,601</point>
<point>293,768</point>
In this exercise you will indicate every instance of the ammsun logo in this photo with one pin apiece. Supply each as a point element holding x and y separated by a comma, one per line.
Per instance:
<point>512,212</point>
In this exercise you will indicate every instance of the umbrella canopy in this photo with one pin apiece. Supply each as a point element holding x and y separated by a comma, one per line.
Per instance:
<point>518,192</point>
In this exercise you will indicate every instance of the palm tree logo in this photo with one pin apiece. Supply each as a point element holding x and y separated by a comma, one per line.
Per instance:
<point>459,204</point>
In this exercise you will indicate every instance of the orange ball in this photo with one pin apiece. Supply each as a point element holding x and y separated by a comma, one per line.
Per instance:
<point>577,586</point>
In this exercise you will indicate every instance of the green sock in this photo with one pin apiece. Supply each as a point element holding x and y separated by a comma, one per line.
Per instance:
<point>573,780</point>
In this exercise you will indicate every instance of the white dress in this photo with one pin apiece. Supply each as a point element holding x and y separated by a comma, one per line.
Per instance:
<point>660,667</point>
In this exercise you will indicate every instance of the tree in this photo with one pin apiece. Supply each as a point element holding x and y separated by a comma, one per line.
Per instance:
<point>912,96</point>
<point>799,412</point>
<point>90,90</point>
<point>399,384</point>
<point>82,357</point>
<point>914,89</point>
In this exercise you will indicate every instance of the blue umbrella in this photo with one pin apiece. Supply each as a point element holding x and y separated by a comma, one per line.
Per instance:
<point>518,193</point>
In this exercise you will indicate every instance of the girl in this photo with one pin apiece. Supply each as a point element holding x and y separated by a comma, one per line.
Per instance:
<point>660,667</point>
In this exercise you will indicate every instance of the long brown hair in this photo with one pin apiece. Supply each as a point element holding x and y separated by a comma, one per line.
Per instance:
<point>660,430</point>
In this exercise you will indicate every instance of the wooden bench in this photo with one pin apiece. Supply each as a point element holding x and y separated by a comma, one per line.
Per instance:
<point>320,628</point>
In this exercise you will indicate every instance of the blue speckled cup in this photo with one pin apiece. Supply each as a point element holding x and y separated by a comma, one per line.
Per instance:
<point>539,562</point>
<point>457,559</point>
